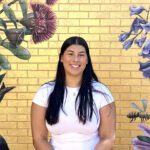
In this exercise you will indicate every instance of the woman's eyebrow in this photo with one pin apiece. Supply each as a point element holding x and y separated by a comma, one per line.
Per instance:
<point>69,50</point>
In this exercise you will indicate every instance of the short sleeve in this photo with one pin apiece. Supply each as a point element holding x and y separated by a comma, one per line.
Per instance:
<point>42,95</point>
<point>107,96</point>
<point>102,95</point>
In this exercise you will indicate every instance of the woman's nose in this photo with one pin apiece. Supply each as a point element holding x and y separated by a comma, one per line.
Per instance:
<point>76,58</point>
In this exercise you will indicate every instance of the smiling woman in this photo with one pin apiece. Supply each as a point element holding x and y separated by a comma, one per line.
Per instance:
<point>77,110</point>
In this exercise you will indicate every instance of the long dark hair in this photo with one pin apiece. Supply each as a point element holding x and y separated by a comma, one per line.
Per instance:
<point>84,97</point>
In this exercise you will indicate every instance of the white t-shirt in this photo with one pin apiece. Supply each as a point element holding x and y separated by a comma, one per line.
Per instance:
<point>69,133</point>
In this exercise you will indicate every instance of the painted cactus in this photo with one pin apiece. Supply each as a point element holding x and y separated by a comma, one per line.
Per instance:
<point>40,24</point>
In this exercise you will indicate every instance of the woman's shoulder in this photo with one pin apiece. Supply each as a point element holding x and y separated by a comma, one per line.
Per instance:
<point>96,85</point>
<point>49,84</point>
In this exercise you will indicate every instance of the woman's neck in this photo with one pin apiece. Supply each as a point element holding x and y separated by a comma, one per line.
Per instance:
<point>73,81</point>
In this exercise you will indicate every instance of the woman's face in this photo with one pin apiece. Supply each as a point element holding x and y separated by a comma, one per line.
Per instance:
<point>74,60</point>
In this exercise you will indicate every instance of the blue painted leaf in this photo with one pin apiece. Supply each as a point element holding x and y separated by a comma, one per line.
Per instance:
<point>136,25</point>
<point>146,50</point>
<point>146,26</point>
<point>124,36</point>
<point>127,44</point>
<point>145,68</point>
<point>18,51</point>
<point>4,64</point>
<point>140,42</point>
<point>136,10</point>
<point>24,7</point>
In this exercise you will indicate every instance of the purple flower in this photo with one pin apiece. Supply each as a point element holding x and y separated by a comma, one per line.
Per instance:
<point>146,26</point>
<point>127,44</point>
<point>144,128</point>
<point>145,68</point>
<point>136,10</point>
<point>136,25</point>
<point>50,2</point>
<point>141,41</point>
<point>43,24</point>
<point>146,50</point>
<point>138,143</point>
<point>124,36</point>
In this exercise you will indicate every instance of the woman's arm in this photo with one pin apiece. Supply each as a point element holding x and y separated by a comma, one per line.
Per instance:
<point>38,127</point>
<point>107,127</point>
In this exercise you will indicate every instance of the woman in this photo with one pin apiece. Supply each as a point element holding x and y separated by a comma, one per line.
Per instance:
<point>76,109</point>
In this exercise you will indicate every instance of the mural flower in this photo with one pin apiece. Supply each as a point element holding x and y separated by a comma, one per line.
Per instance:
<point>139,27</point>
<point>136,10</point>
<point>145,68</point>
<point>136,25</point>
<point>124,36</point>
<point>44,23</point>
<point>141,41</point>
<point>146,50</point>
<point>142,142</point>
<point>127,44</point>
<point>50,2</point>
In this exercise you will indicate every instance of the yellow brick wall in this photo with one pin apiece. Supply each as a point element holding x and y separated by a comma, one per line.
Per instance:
<point>100,22</point>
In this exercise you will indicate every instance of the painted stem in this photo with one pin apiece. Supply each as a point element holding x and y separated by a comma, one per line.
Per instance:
<point>9,5</point>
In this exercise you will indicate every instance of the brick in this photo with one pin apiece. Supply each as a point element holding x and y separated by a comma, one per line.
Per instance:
<point>129,67</point>
<point>109,67</point>
<point>89,22</point>
<point>90,7</point>
<point>17,118</point>
<point>130,82</point>
<point>24,140</point>
<point>110,52</point>
<point>98,30</point>
<point>47,66</point>
<point>110,22</point>
<point>78,30</point>
<point>27,66</point>
<point>17,132</point>
<point>110,7</point>
<point>37,74</point>
<point>96,59</point>
<point>91,37</point>
<point>120,89</point>
<point>78,15</point>
<point>121,60</point>
<point>100,44</point>
<point>100,1</point>
<point>78,1</point>
<point>18,146</point>
<point>68,7</point>
<point>118,74</point>
<point>8,125</point>
<point>27,81</point>
<point>101,15</point>
<point>38,59</point>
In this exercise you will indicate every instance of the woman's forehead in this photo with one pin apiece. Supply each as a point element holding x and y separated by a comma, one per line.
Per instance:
<point>76,48</point>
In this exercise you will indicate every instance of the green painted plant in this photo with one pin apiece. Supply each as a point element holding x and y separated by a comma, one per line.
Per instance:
<point>40,23</point>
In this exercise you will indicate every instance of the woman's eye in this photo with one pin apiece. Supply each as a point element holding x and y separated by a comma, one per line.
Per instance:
<point>70,54</point>
<point>81,55</point>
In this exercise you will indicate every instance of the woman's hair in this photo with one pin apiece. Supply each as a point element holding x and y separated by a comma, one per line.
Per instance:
<point>84,100</point>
